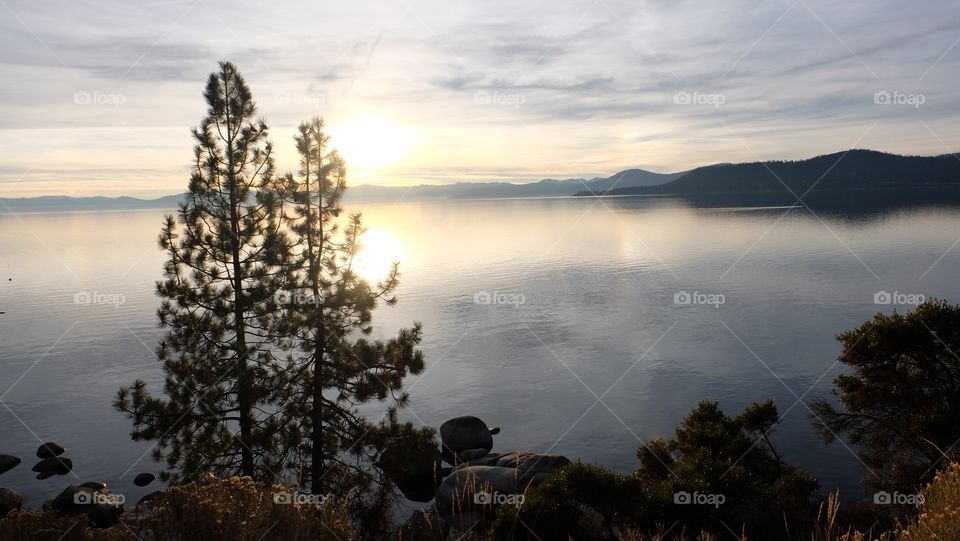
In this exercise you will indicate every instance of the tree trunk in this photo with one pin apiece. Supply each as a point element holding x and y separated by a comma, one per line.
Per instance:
<point>244,398</point>
<point>317,457</point>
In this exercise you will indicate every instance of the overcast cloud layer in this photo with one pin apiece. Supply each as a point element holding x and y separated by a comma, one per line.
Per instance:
<point>98,97</point>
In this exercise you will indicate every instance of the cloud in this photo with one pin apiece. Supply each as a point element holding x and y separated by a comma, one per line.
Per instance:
<point>586,73</point>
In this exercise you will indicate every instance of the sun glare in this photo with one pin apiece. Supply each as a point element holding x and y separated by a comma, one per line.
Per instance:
<point>371,142</point>
<point>380,249</point>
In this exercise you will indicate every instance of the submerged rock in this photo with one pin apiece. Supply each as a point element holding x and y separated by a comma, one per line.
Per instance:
<point>57,465</point>
<point>144,479</point>
<point>8,462</point>
<point>10,500</point>
<point>50,450</point>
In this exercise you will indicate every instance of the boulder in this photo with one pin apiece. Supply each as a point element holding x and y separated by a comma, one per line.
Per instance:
<point>56,465</point>
<point>463,434</point>
<point>532,465</point>
<point>489,459</point>
<point>101,507</point>
<point>8,462</point>
<point>471,454</point>
<point>467,489</point>
<point>10,500</point>
<point>50,450</point>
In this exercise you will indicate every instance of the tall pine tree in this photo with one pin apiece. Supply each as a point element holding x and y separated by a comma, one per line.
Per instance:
<point>335,369</point>
<point>224,250</point>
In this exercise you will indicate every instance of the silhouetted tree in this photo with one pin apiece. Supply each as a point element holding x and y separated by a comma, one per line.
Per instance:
<point>900,402</point>
<point>334,369</point>
<point>219,414</point>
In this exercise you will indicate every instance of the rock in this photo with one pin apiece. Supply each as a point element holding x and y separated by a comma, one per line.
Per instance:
<point>530,465</point>
<point>147,500</point>
<point>45,475</point>
<point>424,525</point>
<point>95,485</point>
<point>8,462</point>
<point>50,450</point>
<point>462,434</point>
<point>489,459</point>
<point>144,479</point>
<point>489,481</point>
<point>57,465</point>
<point>466,489</point>
<point>10,500</point>
<point>101,507</point>
<point>471,454</point>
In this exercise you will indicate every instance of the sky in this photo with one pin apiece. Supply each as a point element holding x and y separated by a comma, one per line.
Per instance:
<point>98,98</point>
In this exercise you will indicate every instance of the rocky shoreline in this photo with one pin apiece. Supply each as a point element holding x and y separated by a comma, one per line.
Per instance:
<point>466,494</point>
<point>464,482</point>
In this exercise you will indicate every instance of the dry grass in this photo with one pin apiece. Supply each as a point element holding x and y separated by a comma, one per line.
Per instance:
<point>48,526</point>
<point>234,509</point>
<point>939,517</point>
<point>239,509</point>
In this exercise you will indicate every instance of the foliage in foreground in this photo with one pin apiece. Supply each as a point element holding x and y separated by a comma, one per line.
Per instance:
<point>240,509</point>
<point>718,474</point>
<point>568,512</point>
<point>232,509</point>
<point>938,518</point>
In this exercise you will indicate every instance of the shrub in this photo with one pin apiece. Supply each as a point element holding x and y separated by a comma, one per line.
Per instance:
<point>729,461</point>
<point>899,399</point>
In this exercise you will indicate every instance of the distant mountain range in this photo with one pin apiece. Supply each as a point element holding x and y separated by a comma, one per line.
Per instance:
<point>54,203</point>
<point>838,172</point>
<point>368,193</point>
<point>631,178</point>
<point>841,171</point>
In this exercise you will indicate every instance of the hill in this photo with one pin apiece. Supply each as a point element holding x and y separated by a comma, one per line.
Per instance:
<point>841,171</point>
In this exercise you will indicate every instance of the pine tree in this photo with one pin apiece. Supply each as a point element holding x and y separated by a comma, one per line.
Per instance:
<point>220,412</point>
<point>335,369</point>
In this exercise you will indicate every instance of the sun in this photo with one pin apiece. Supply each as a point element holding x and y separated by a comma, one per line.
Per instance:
<point>371,142</point>
<point>380,248</point>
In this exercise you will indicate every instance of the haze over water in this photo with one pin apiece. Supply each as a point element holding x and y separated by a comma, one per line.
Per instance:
<point>555,319</point>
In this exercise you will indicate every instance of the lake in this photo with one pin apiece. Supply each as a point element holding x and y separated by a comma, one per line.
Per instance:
<point>581,326</point>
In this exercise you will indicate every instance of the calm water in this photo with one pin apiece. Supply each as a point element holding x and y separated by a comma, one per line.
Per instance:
<point>597,281</point>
